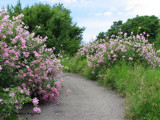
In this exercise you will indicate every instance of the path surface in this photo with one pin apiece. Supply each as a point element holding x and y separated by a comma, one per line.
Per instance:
<point>87,101</point>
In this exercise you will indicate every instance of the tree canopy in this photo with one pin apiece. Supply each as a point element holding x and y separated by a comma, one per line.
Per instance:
<point>148,24</point>
<point>55,22</point>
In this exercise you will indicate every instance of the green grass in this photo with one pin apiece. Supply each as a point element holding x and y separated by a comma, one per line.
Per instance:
<point>140,86</point>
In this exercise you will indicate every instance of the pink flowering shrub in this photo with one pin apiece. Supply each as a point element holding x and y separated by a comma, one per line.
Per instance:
<point>25,62</point>
<point>12,101</point>
<point>110,51</point>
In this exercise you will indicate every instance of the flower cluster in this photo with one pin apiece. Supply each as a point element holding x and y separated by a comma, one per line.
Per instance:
<point>26,61</point>
<point>117,48</point>
<point>11,102</point>
<point>35,102</point>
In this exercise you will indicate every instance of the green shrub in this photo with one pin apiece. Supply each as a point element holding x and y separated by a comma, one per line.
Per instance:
<point>11,102</point>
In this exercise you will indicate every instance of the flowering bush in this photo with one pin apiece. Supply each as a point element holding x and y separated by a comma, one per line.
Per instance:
<point>11,102</point>
<point>26,62</point>
<point>125,65</point>
<point>110,51</point>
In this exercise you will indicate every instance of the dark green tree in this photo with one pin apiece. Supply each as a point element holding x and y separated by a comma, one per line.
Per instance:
<point>15,10</point>
<point>148,24</point>
<point>115,28</point>
<point>157,42</point>
<point>101,35</point>
<point>56,23</point>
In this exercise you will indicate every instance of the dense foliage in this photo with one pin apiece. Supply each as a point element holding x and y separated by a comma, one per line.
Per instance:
<point>149,24</point>
<point>129,65</point>
<point>28,70</point>
<point>55,22</point>
<point>125,62</point>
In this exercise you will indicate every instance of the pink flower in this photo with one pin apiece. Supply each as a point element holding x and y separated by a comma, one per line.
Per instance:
<point>11,94</point>
<point>3,10</point>
<point>114,55</point>
<point>48,86</point>
<point>37,110</point>
<point>130,58</point>
<point>6,62</point>
<point>0,100</point>
<point>4,36</point>
<point>62,81</point>
<point>23,85</point>
<point>19,87</point>
<point>18,107</point>
<point>5,54</point>
<point>35,101</point>
<point>51,96</point>
<point>22,91</point>
<point>26,54</point>
<point>112,51</point>
<point>45,97</point>
<point>36,54</point>
<point>123,56</point>
<point>7,89</point>
<point>58,84</point>
<point>16,102</point>
<point>68,90</point>
<point>0,68</point>
<point>26,27</point>
<point>28,93</point>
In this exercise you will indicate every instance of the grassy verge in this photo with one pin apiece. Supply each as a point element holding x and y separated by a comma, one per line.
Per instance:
<point>139,85</point>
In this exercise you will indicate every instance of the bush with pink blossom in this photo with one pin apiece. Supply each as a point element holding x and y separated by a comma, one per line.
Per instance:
<point>11,102</point>
<point>107,52</point>
<point>129,65</point>
<point>26,62</point>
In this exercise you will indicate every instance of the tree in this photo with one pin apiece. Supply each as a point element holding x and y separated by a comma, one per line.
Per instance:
<point>56,23</point>
<point>101,35</point>
<point>14,11</point>
<point>115,28</point>
<point>148,24</point>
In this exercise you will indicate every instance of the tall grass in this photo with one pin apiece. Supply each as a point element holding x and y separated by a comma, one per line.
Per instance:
<point>139,85</point>
<point>129,65</point>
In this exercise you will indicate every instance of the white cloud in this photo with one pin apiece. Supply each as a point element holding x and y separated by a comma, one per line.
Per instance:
<point>119,13</point>
<point>108,13</point>
<point>69,1</point>
<point>101,13</point>
<point>61,1</point>
<point>86,2</point>
<point>83,2</point>
<point>98,15</point>
<point>143,7</point>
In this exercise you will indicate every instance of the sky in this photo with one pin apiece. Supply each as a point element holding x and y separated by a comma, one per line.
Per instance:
<point>98,15</point>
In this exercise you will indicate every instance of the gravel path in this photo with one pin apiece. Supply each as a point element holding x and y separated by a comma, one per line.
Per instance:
<point>87,101</point>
